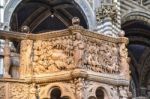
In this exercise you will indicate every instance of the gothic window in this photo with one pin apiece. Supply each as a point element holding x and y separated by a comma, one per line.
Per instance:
<point>56,94</point>
<point>99,93</point>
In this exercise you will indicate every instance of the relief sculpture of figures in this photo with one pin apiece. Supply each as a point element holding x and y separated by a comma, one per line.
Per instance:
<point>124,64</point>
<point>124,61</point>
<point>54,56</point>
<point>78,50</point>
<point>74,49</point>
<point>123,93</point>
<point>33,91</point>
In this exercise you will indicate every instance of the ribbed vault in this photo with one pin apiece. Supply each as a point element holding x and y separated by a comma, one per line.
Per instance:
<point>45,15</point>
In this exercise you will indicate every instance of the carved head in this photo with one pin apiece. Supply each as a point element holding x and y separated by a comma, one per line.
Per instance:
<point>78,36</point>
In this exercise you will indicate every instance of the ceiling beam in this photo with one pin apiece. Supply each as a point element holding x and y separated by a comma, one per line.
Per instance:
<point>63,6</point>
<point>61,18</point>
<point>40,19</point>
<point>33,16</point>
<point>67,13</point>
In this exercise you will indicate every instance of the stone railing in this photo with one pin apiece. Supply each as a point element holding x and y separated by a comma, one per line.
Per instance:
<point>73,48</point>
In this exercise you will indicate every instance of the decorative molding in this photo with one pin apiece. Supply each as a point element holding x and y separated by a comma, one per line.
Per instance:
<point>44,36</point>
<point>69,75</point>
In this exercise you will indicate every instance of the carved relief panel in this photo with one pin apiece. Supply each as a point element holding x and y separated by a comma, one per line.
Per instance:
<point>102,56</point>
<point>53,55</point>
<point>75,51</point>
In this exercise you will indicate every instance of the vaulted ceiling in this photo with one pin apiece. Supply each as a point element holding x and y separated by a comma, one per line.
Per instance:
<point>46,15</point>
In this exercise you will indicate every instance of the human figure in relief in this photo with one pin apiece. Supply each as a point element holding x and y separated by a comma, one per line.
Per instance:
<point>78,50</point>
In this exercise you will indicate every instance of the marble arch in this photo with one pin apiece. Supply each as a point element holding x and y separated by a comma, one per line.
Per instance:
<point>85,6</point>
<point>64,88</point>
<point>137,15</point>
<point>106,89</point>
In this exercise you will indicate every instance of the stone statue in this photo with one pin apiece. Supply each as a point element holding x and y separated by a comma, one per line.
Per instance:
<point>78,50</point>
<point>124,69</point>
<point>7,59</point>
<point>34,90</point>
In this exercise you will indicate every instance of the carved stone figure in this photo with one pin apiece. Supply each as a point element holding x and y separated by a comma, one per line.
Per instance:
<point>53,55</point>
<point>79,47</point>
<point>123,93</point>
<point>80,87</point>
<point>25,57</point>
<point>2,90</point>
<point>34,91</point>
<point>7,59</point>
<point>124,66</point>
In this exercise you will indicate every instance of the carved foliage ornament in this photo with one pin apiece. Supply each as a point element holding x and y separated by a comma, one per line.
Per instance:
<point>106,11</point>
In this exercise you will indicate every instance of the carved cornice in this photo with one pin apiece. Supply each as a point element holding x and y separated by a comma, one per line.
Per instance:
<point>66,32</point>
<point>78,73</point>
<point>13,80</point>
<point>12,35</point>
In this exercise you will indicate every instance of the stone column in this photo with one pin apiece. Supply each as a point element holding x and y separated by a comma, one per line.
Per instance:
<point>26,58</point>
<point>80,88</point>
<point>6,59</point>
